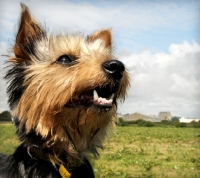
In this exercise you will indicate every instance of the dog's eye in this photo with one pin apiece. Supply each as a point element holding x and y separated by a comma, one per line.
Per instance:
<point>66,59</point>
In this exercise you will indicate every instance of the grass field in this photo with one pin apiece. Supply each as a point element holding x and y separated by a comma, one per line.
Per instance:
<point>139,152</point>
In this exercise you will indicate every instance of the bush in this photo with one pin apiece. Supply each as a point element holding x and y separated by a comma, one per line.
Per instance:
<point>5,116</point>
<point>180,124</point>
<point>145,123</point>
<point>141,122</point>
<point>121,122</point>
<point>163,123</point>
<point>194,124</point>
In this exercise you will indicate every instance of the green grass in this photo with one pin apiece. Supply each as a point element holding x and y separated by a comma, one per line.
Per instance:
<point>151,152</point>
<point>139,152</point>
<point>8,140</point>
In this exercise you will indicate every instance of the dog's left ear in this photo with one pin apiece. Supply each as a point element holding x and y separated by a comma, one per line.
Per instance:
<point>28,33</point>
<point>103,35</point>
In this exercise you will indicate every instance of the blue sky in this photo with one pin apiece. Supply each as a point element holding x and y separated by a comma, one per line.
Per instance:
<point>137,24</point>
<point>157,40</point>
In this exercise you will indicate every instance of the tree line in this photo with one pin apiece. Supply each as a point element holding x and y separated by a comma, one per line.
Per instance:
<point>5,116</point>
<point>164,123</point>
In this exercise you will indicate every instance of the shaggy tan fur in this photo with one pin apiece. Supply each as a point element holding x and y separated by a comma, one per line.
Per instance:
<point>49,86</point>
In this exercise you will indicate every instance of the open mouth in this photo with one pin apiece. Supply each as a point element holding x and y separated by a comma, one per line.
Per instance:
<point>102,97</point>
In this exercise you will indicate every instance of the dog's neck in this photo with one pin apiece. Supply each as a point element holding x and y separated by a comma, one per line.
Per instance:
<point>36,152</point>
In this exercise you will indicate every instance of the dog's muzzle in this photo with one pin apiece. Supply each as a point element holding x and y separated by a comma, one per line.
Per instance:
<point>102,96</point>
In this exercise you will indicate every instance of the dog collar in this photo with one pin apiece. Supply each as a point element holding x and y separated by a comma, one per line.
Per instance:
<point>64,172</point>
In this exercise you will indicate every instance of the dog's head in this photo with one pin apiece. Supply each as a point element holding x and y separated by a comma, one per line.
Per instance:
<point>64,88</point>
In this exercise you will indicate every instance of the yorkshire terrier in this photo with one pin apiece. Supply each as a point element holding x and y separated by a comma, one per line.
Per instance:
<point>63,92</point>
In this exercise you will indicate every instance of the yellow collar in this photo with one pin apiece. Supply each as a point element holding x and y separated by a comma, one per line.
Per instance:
<point>64,172</point>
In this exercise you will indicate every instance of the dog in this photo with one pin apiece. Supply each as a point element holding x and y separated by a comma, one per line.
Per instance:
<point>63,92</point>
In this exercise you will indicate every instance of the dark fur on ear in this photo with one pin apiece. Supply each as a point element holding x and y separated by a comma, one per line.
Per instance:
<point>29,32</point>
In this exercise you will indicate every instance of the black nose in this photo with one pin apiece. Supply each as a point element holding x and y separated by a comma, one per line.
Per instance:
<point>114,68</point>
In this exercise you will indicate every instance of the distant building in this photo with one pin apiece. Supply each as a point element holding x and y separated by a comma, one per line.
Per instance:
<point>165,116</point>
<point>185,120</point>
<point>137,116</point>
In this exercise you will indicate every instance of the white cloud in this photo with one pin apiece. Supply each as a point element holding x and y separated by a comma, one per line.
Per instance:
<point>3,52</point>
<point>3,97</point>
<point>2,47</point>
<point>165,82</point>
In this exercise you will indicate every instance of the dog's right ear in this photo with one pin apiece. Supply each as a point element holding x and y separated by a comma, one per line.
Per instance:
<point>103,35</point>
<point>29,31</point>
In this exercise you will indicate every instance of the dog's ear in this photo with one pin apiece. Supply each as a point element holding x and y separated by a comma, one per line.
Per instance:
<point>29,31</point>
<point>104,35</point>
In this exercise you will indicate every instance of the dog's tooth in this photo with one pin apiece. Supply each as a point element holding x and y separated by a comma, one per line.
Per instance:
<point>103,101</point>
<point>95,95</point>
<point>112,96</point>
<point>99,100</point>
